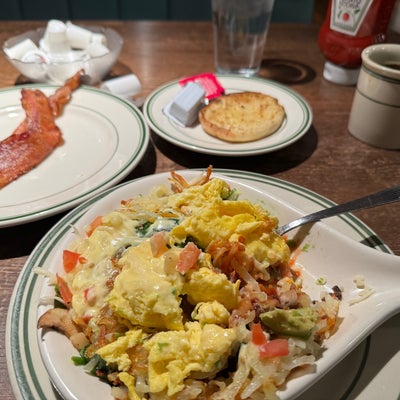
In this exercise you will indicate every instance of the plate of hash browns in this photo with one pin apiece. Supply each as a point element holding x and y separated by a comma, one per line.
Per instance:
<point>167,308</point>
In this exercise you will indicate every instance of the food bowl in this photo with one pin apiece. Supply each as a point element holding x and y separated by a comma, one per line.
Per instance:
<point>57,71</point>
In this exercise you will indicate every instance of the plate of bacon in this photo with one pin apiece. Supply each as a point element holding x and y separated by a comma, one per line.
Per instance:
<point>61,145</point>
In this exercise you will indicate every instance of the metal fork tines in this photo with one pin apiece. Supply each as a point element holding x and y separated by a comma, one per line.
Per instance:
<point>386,196</point>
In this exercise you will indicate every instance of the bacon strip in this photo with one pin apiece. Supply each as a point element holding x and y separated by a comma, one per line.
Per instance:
<point>37,136</point>
<point>57,100</point>
<point>63,94</point>
<point>19,153</point>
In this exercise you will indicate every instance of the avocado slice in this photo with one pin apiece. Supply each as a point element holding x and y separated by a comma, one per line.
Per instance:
<point>297,322</point>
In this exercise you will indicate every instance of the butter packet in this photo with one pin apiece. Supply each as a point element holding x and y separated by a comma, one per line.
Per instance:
<point>196,92</point>
<point>185,106</point>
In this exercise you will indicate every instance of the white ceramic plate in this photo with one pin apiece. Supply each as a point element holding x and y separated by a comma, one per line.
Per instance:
<point>296,124</point>
<point>30,373</point>
<point>104,136</point>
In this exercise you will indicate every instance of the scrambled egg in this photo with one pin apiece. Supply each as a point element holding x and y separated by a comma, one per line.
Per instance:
<point>206,285</point>
<point>210,217</point>
<point>146,295</point>
<point>174,355</point>
<point>117,351</point>
<point>211,312</point>
<point>129,381</point>
<point>148,292</point>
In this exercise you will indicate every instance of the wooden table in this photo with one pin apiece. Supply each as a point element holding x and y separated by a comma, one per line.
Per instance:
<point>327,160</point>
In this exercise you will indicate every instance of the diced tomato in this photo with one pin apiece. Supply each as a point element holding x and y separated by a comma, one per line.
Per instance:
<point>86,318</point>
<point>158,243</point>
<point>89,294</point>
<point>65,292</point>
<point>272,348</point>
<point>93,225</point>
<point>188,258</point>
<point>257,335</point>
<point>70,259</point>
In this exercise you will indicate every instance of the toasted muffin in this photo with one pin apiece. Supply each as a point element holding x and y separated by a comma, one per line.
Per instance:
<point>242,117</point>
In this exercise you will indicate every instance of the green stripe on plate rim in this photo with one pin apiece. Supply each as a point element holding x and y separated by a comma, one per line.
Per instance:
<point>27,282</point>
<point>306,123</point>
<point>143,142</point>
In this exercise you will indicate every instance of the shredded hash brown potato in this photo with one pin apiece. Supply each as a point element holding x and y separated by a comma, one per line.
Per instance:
<point>187,293</point>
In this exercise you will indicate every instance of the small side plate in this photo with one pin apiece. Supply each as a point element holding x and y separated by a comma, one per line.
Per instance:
<point>297,122</point>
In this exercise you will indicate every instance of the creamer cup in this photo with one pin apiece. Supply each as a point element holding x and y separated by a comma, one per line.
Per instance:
<point>125,86</point>
<point>97,50</point>
<point>78,37</point>
<point>35,56</point>
<point>55,39</point>
<point>99,38</point>
<point>20,49</point>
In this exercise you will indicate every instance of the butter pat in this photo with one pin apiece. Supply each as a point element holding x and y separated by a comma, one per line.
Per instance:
<point>185,106</point>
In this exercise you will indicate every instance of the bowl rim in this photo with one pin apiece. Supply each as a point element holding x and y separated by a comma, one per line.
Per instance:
<point>98,29</point>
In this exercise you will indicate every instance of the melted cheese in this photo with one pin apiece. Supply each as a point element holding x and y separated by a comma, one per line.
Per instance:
<point>144,293</point>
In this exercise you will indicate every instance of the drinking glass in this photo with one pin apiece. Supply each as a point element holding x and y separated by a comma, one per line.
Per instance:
<point>240,32</point>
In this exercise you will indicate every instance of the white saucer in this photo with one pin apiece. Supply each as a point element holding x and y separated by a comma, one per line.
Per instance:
<point>296,124</point>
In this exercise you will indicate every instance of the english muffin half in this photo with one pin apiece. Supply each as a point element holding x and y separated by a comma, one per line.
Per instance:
<point>242,117</point>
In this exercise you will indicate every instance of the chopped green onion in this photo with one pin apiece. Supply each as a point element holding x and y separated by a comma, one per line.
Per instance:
<point>321,280</point>
<point>79,360</point>
<point>161,345</point>
<point>143,229</point>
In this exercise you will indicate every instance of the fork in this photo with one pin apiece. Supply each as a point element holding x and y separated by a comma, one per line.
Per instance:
<point>386,196</point>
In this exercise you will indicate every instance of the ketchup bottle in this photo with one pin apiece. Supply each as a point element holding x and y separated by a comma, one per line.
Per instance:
<point>349,27</point>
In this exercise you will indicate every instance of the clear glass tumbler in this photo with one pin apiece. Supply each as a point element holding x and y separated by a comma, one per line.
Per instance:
<point>240,32</point>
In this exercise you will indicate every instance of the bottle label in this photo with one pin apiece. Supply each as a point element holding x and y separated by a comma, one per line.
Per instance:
<point>348,15</point>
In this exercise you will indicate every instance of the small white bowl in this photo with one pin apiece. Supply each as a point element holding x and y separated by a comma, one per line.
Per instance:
<point>57,72</point>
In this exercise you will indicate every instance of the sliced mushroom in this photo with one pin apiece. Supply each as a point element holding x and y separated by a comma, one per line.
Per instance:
<point>60,319</point>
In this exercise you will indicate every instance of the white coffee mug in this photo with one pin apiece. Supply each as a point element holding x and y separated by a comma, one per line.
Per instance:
<point>375,112</point>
